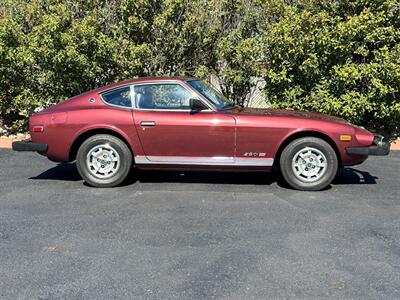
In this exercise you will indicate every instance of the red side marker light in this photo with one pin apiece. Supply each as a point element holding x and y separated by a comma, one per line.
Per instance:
<point>38,128</point>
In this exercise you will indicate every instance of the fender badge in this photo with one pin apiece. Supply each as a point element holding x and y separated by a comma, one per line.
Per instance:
<point>255,154</point>
<point>91,100</point>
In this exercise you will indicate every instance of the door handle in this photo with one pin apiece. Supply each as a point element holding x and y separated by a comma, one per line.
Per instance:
<point>148,123</point>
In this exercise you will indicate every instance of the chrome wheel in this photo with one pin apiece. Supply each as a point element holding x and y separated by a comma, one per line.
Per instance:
<point>103,161</point>
<point>309,164</point>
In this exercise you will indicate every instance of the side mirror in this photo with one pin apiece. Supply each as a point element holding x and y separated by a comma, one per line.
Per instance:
<point>196,105</point>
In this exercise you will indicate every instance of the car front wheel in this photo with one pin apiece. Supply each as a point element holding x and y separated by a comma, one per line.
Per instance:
<point>104,160</point>
<point>309,164</point>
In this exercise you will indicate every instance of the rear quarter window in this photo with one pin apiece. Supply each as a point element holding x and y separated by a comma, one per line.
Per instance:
<point>118,97</point>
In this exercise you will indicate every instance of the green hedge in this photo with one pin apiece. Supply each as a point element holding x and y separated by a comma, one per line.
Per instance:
<point>337,57</point>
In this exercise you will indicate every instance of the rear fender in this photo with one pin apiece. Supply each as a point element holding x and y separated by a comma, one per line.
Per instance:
<point>131,138</point>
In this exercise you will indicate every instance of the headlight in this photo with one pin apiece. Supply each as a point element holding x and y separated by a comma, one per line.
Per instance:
<point>379,139</point>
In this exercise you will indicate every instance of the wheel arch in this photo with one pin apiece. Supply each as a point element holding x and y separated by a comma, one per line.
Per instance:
<point>306,133</point>
<point>90,132</point>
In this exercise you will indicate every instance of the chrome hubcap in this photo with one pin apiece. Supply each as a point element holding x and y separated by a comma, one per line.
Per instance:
<point>103,161</point>
<point>309,164</point>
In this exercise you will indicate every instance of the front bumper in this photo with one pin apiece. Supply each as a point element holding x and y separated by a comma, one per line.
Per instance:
<point>29,146</point>
<point>379,147</point>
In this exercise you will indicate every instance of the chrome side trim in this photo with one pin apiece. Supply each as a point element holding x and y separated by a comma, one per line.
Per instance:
<point>262,162</point>
<point>206,161</point>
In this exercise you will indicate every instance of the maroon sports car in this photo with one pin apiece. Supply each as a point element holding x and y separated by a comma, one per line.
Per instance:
<point>183,123</point>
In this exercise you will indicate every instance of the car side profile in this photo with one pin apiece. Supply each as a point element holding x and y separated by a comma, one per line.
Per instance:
<point>183,123</point>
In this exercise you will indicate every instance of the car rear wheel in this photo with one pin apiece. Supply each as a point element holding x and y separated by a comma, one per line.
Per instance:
<point>309,164</point>
<point>104,160</point>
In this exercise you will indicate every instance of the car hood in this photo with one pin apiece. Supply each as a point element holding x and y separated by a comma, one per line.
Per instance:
<point>287,113</point>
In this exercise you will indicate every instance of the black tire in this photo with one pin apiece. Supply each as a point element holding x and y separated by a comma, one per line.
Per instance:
<point>124,160</point>
<point>300,182</point>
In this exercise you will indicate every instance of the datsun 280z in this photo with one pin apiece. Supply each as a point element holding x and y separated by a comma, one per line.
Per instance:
<point>183,123</point>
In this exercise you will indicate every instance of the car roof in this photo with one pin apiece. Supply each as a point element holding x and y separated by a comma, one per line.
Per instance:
<point>141,80</point>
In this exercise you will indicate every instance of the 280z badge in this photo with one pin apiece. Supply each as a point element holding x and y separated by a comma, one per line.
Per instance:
<point>254,154</point>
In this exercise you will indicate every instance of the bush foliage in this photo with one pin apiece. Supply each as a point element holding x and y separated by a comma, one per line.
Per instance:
<point>337,57</point>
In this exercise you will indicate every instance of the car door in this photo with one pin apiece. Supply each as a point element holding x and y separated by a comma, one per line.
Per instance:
<point>171,134</point>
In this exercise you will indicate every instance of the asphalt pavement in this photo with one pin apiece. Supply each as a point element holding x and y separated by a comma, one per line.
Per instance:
<point>173,235</point>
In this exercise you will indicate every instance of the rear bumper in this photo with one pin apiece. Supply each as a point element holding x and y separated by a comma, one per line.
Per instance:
<point>379,147</point>
<point>29,146</point>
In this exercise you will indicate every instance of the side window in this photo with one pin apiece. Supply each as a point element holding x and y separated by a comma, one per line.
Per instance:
<point>119,97</point>
<point>162,96</point>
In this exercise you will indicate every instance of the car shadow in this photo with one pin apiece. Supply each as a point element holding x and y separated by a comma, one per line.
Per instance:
<point>62,171</point>
<point>69,172</point>
<point>202,177</point>
<point>353,176</point>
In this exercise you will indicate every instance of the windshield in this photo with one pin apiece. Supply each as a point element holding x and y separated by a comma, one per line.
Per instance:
<point>212,95</point>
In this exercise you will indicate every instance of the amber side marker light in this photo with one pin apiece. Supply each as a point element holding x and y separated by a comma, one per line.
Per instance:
<point>38,128</point>
<point>345,138</point>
